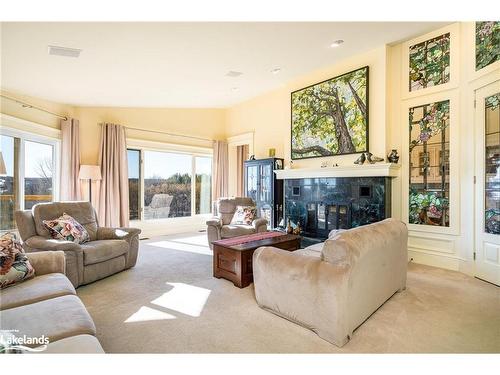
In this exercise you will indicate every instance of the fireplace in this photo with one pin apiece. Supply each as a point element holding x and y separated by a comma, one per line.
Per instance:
<point>323,204</point>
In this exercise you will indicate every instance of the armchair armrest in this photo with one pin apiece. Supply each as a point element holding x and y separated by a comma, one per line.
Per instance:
<point>260,224</point>
<point>303,289</point>
<point>215,222</point>
<point>45,262</point>
<point>39,243</point>
<point>106,233</point>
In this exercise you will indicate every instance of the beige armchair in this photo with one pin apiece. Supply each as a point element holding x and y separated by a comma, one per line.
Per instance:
<point>334,290</point>
<point>109,251</point>
<point>220,227</point>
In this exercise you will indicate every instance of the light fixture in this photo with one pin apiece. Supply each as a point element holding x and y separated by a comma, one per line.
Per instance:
<point>64,51</point>
<point>233,74</point>
<point>3,170</point>
<point>276,70</point>
<point>234,89</point>
<point>90,173</point>
<point>336,43</point>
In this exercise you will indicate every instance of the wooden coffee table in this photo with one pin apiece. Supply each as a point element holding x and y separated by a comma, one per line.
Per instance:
<point>232,259</point>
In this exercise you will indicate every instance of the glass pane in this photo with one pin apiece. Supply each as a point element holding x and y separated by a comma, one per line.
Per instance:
<point>38,173</point>
<point>429,63</point>
<point>265,181</point>
<point>492,165</point>
<point>252,174</point>
<point>7,184</point>
<point>429,147</point>
<point>134,171</point>
<point>203,185</point>
<point>487,43</point>
<point>167,185</point>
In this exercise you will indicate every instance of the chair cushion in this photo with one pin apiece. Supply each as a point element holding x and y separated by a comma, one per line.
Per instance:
<point>37,289</point>
<point>83,212</point>
<point>312,251</point>
<point>14,264</point>
<point>229,231</point>
<point>56,318</point>
<point>244,215</point>
<point>103,250</point>
<point>65,227</point>
<point>227,206</point>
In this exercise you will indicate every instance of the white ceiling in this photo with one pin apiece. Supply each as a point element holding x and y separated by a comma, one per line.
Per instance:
<point>178,64</point>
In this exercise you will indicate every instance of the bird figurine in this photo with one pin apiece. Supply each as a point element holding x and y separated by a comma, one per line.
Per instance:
<point>360,160</point>
<point>372,159</point>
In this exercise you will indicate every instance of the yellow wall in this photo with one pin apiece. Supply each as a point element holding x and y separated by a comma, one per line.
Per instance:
<point>268,115</point>
<point>204,123</point>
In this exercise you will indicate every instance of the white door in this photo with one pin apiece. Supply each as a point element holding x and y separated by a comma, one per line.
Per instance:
<point>487,128</point>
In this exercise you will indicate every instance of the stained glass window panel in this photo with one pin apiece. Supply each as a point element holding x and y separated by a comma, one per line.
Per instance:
<point>429,147</point>
<point>429,63</point>
<point>492,165</point>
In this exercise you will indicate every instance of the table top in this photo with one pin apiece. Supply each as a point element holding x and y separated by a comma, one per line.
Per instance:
<point>251,245</point>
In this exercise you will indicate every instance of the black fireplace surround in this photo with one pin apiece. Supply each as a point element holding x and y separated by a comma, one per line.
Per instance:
<point>323,204</point>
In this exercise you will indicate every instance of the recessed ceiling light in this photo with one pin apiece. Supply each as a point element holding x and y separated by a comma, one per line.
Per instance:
<point>234,89</point>
<point>276,70</point>
<point>64,51</point>
<point>336,43</point>
<point>233,74</point>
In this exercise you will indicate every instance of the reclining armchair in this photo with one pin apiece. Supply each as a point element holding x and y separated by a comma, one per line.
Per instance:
<point>220,227</point>
<point>110,250</point>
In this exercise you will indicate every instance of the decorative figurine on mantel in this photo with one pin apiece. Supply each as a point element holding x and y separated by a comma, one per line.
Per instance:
<point>393,157</point>
<point>369,158</point>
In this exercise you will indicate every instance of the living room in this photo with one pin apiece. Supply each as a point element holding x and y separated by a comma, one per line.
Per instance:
<point>323,186</point>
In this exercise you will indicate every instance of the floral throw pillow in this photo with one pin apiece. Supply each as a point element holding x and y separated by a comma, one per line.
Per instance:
<point>67,228</point>
<point>244,215</point>
<point>14,264</point>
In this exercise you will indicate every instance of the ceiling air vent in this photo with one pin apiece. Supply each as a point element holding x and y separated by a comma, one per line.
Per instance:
<point>64,51</point>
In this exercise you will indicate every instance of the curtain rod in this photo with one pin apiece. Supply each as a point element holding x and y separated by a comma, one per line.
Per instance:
<point>167,133</point>
<point>28,105</point>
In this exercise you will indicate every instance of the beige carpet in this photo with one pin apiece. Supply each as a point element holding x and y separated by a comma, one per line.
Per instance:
<point>170,303</point>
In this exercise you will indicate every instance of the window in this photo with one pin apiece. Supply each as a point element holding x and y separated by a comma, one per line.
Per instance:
<point>164,187</point>
<point>429,164</point>
<point>31,167</point>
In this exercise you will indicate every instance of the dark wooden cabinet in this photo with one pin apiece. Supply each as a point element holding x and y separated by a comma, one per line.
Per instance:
<point>262,186</point>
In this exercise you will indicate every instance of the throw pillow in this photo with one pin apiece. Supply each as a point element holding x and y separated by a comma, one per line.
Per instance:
<point>244,215</point>
<point>14,264</point>
<point>67,228</point>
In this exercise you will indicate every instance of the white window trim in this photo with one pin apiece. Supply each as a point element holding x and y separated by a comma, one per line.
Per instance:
<point>31,136</point>
<point>193,151</point>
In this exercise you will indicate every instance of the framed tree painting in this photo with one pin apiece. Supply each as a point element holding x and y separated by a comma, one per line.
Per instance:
<point>331,117</point>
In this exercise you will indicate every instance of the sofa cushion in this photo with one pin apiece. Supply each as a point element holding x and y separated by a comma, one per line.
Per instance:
<point>37,289</point>
<point>83,212</point>
<point>309,252</point>
<point>56,318</point>
<point>14,264</point>
<point>229,231</point>
<point>103,250</point>
<point>65,227</point>
<point>81,344</point>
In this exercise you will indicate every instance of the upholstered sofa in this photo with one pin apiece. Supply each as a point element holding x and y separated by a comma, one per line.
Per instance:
<point>109,251</point>
<point>334,289</point>
<point>47,305</point>
<point>220,227</point>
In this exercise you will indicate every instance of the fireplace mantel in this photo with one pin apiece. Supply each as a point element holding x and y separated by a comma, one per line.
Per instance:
<point>367,170</point>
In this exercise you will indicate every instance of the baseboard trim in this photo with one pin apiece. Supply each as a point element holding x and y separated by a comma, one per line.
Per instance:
<point>436,260</point>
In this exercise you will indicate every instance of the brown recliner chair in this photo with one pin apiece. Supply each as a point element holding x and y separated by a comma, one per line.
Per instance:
<point>220,227</point>
<point>110,250</point>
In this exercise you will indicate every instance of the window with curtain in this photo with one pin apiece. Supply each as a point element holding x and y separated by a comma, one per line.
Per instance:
<point>166,184</point>
<point>31,171</point>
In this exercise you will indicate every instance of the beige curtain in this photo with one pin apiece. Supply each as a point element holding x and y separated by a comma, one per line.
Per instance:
<point>241,156</point>
<point>219,170</point>
<point>70,160</point>
<point>113,210</point>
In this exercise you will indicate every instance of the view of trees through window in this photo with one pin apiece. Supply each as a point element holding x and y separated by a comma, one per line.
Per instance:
<point>37,163</point>
<point>167,183</point>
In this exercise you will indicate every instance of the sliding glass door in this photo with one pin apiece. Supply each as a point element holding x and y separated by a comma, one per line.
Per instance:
<point>30,173</point>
